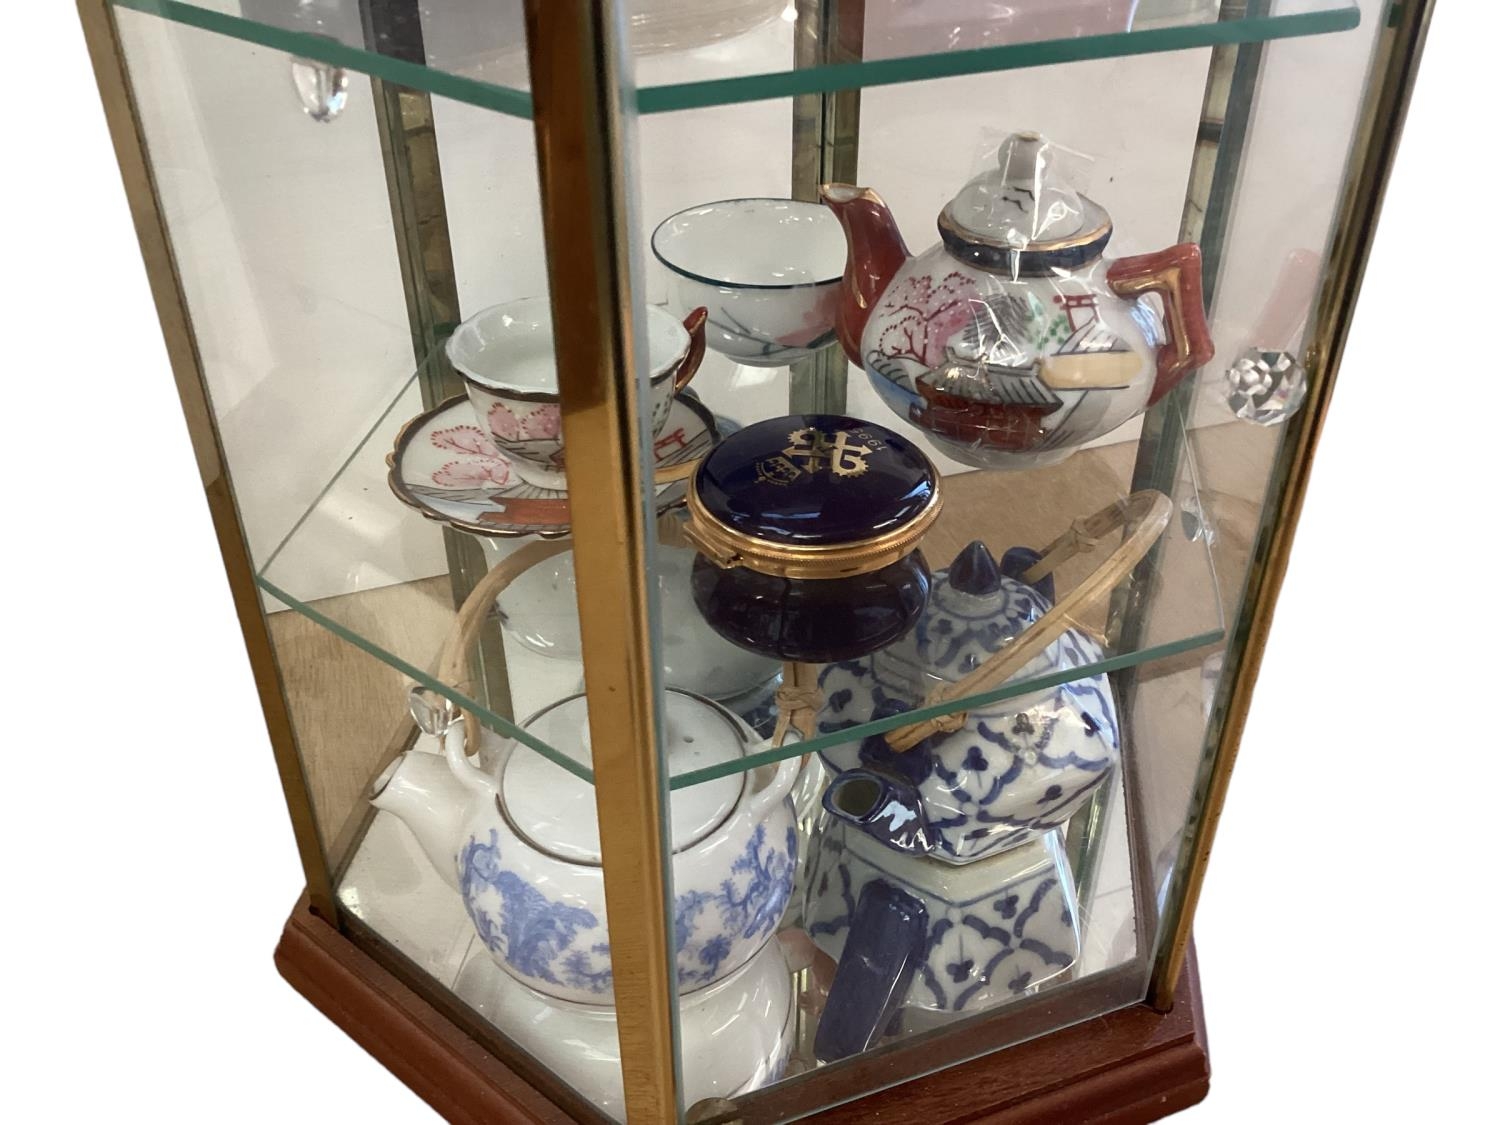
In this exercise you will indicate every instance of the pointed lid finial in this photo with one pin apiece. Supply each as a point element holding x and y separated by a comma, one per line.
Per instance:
<point>975,571</point>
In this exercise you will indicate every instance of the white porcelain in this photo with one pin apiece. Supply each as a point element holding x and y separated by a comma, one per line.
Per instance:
<point>1016,767</point>
<point>942,867</point>
<point>1013,341</point>
<point>736,1034</point>
<point>521,846</point>
<point>767,270</point>
<point>994,929</point>
<point>540,608</point>
<point>446,468</point>
<point>506,357</point>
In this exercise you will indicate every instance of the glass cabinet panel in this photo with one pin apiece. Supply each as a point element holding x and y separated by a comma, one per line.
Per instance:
<point>1022,872</point>
<point>958,487</point>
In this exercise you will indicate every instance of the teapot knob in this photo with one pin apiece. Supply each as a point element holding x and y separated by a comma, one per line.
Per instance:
<point>1020,157</point>
<point>975,571</point>
<point>433,713</point>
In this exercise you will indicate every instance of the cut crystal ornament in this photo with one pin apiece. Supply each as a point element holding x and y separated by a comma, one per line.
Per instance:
<point>322,88</point>
<point>1266,386</point>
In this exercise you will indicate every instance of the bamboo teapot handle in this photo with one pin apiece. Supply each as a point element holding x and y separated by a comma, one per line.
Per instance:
<point>453,664</point>
<point>453,667</point>
<point>1145,513</point>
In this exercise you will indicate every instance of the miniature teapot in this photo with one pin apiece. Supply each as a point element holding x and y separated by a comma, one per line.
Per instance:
<point>1013,769</point>
<point>520,844</point>
<point>919,943</point>
<point>924,875</point>
<point>1012,342</point>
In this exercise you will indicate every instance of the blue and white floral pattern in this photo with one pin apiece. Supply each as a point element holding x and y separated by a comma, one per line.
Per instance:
<point>566,946</point>
<point>1017,767</point>
<point>980,951</point>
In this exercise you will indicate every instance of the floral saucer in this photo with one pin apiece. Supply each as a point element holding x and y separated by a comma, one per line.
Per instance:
<point>445,467</point>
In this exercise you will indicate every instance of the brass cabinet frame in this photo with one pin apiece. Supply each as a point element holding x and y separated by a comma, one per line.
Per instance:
<point>1392,77</point>
<point>123,117</point>
<point>576,68</point>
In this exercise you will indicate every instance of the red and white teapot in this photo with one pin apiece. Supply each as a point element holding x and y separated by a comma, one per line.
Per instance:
<point>1012,341</point>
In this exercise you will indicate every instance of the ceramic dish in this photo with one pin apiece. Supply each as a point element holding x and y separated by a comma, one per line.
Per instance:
<point>767,270</point>
<point>445,467</point>
<point>506,357</point>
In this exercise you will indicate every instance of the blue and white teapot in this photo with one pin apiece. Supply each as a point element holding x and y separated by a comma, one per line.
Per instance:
<point>520,843</point>
<point>1015,768</point>
<point>949,845</point>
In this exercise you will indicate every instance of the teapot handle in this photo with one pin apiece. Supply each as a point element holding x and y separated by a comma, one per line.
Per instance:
<point>453,663</point>
<point>1176,274</point>
<point>1148,511</point>
<point>775,790</point>
<point>887,937</point>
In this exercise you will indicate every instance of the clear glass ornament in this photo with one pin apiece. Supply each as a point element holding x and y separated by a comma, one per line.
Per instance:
<point>1266,386</point>
<point>433,713</point>
<point>322,88</point>
<point>1195,522</point>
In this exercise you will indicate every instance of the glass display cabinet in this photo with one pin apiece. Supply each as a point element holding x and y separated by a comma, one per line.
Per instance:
<point>739,645</point>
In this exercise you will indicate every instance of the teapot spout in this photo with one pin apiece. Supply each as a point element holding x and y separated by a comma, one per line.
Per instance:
<point>420,790</point>
<point>884,807</point>
<point>876,253</point>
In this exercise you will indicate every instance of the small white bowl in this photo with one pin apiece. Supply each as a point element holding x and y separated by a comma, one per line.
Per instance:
<point>767,270</point>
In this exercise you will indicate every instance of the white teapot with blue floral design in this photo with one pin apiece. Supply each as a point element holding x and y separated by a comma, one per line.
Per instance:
<point>520,844</point>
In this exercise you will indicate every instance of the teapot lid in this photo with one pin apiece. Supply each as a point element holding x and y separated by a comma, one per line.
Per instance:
<point>1022,216</point>
<point>976,607</point>
<point>812,496</point>
<point>554,810</point>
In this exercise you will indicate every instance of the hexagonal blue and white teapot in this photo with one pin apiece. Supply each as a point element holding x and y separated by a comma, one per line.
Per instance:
<point>935,811</point>
<point>971,783</point>
<point>1015,768</point>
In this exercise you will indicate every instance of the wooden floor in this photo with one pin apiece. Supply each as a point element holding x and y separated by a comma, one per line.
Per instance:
<point>349,707</point>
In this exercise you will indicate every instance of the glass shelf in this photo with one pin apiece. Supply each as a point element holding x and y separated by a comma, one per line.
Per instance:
<point>721,54</point>
<point>349,540</point>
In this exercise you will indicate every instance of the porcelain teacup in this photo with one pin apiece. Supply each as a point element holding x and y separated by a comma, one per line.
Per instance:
<point>767,270</point>
<point>506,357</point>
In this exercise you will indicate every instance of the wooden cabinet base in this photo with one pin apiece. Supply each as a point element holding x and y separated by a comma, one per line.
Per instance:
<point>1126,1068</point>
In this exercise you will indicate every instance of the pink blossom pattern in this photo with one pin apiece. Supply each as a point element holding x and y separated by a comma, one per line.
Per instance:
<point>490,472</point>
<point>922,317</point>
<point>543,422</point>
<point>503,423</point>
<point>465,439</point>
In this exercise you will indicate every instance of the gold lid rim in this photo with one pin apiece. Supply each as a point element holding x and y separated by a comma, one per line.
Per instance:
<point>728,548</point>
<point>1103,226</point>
